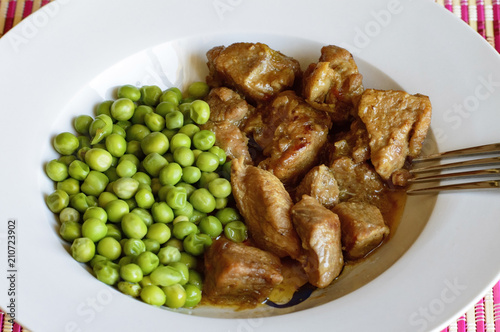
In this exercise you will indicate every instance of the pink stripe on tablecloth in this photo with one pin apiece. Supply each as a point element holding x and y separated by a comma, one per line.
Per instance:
<point>448,4</point>
<point>9,17</point>
<point>481,27</point>
<point>28,8</point>
<point>480,318</point>
<point>44,2</point>
<point>464,9</point>
<point>462,324</point>
<point>17,328</point>
<point>496,305</point>
<point>496,23</point>
<point>2,316</point>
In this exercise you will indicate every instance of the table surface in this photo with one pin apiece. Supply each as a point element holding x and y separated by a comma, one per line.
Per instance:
<point>482,15</point>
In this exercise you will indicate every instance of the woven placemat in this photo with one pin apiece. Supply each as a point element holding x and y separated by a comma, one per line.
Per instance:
<point>482,15</point>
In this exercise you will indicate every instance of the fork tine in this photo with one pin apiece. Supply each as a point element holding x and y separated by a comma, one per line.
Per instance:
<point>453,187</point>
<point>455,176</point>
<point>483,149</point>
<point>467,163</point>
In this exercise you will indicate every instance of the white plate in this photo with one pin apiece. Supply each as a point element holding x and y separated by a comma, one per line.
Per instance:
<point>63,59</point>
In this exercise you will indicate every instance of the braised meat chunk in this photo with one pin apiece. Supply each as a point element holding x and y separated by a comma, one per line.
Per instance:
<point>253,69</point>
<point>228,112</point>
<point>397,124</point>
<point>319,183</point>
<point>265,205</point>
<point>353,143</point>
<point>333,82</point>
<point>237,273</point>
<point>363,228</point>
<point>319,230</point>
<point>291,134</point>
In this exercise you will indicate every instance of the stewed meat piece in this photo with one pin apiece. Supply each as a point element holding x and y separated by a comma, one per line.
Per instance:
<point>363,227</point>
<point>253,69</point>
<point>291,134</point>
<point>236,273</point>
<point>265,205</point>
<point>319,230</point>
<point>333,82</point>
<point>353,143</point>
<point>228,112</point>
<point>319,183</point>
<point>397,124</point>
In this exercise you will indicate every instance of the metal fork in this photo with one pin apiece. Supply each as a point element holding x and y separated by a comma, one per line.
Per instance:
<point>427,173</point>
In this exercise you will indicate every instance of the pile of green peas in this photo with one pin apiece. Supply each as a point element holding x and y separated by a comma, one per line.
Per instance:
<point>142,191</point>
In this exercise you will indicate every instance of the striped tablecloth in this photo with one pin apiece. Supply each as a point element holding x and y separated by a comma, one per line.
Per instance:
<point>482,16</point>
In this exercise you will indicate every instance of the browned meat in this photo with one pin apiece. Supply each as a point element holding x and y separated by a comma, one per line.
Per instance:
<point>236,273</point>
<point>291,134</point>
<point>363,228</point>
<point>319,230</point>
<point>265,205</point>
<point>354,143</point>
<point>228,111</point>
<point>319,183</point>
<point>333,82</point>
<point>397,125</point>
<point>358,181</point>
<point>254,69</point>
<point>294,277</point>
<point>400,177</point>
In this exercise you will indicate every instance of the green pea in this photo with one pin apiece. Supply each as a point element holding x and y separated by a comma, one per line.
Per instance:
<point>179,140</point>
<point>126,259</point>
<point>129,91</point>
<point>165,276</point>
<point>131,272</point>
<point>150,95</point>
<point>193,296</point>
<point>78,170</point>
<point>219,152</point>
<point>177,198</point>
<point>162,213</point>
<point>137,132</point>
<point>199,111</point>
<point>210,225</point>
<point>66,143</point>
<point>129,288</point>
<point>202,200</point>
<point>101,127</point>
<point>195,279</point>
<point>154,121</point>
<point>69,214</point>
<point>152,245</point>
<point>98,159</point>
<point>207,162</point>
<point>166,107</point>
<point>189,130</point>
<point>119,130</point>
<point>126,169</point>
<point>107,272</point>
<point>134,147</point>
<point>140,113</point>
<point>109,247</point>
<point>147,261</point>
<point>122,109</point>
<point>96,212</point>
<point>144,214</point>
<point>172,95</point>
<point>144,198</point>
<point>174,120</point>
<point>196,217</point>
<point>116,209</point>
<point>81,202</point>
<point>133,226</point>
<point>220,187</point>
<point>95,183</point>
<point>189,260</point>
<point>171,174</point>
<point>57,200</point>
<point>182,229</point>
<point>184,271</point>
<point>114,232</point>
<point>83,249</point>
<point>175,296</point>
<point>125,188</point>
<point>183,156</point>
<point>169,132</point>
<point>82,124</point>
<point>70,230</point>
<point>142,177</point>
<point>227,215</point>
<point>116,145</point>
<point>70,186</point>
<point>131,158</point>
<point>204,140</point>
<point>155,142</point>
<point>66,160</point>
<point>169,254</point>
<point>198,90</point>
<point>153,295</point>
<point>236,231</point>
<point>153,163</point>
<point>133,247</point>
<point>105,197</point>
<point>94,229</point>
<point>221,202</point>
<point>56,170</point>
<point>186,211</point>
<point>104,108</point>
<point>159,232</point>
<point>195,244</point>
